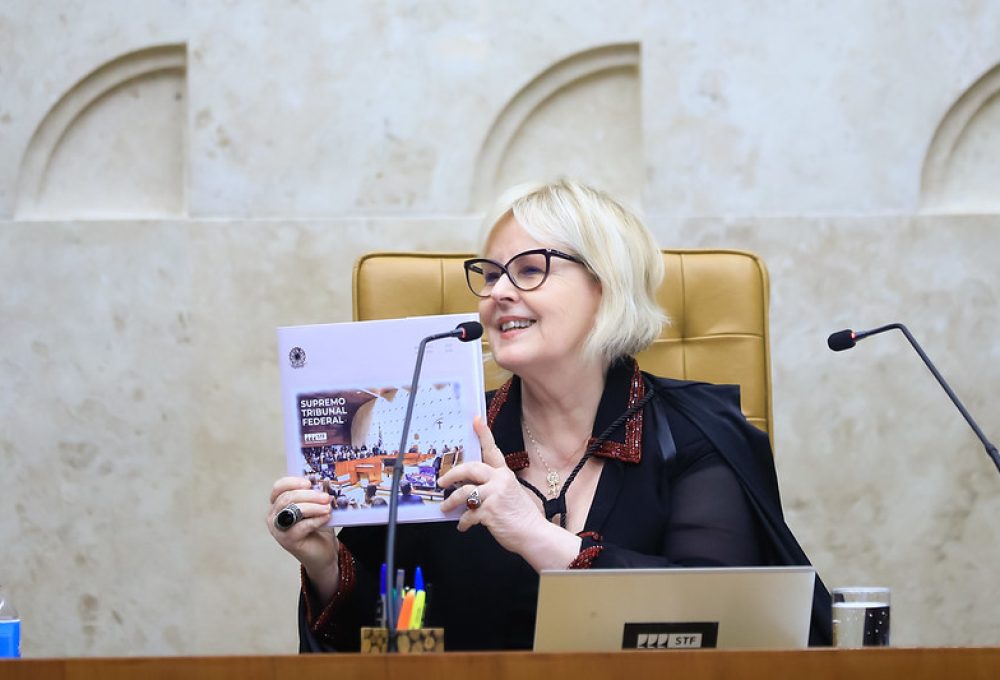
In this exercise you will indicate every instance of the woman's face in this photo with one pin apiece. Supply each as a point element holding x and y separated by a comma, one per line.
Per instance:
<point>535,331</point>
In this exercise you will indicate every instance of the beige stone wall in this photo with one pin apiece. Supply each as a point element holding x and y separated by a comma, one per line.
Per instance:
<point>179,178</point>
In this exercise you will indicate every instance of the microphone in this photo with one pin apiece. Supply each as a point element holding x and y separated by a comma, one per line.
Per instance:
<point>467,331</point>
<point>846,339</point>
<point>464,332</point>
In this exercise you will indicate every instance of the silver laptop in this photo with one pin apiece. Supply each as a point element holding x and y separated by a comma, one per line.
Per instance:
<point>725,608</point>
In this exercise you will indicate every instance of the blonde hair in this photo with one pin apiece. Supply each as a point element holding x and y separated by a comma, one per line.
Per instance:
<point>613,243</point>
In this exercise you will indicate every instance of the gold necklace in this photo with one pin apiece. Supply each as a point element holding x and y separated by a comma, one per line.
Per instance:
<point>552,477</point>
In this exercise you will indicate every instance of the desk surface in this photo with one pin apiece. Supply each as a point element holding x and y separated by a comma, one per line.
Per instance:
<point>816,664</point>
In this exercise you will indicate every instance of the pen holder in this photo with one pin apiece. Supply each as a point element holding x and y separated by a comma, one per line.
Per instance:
<point>414,641</point>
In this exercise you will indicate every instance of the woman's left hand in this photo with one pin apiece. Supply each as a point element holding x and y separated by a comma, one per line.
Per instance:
<point>506,510</point>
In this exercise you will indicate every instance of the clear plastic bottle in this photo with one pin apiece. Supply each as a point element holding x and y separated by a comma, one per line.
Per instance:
<point>10,628</point>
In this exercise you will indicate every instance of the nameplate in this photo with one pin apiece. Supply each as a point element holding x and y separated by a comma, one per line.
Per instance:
<point>689,635</point>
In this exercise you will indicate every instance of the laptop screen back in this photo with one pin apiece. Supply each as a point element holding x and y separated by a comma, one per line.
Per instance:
<point>726,608</point>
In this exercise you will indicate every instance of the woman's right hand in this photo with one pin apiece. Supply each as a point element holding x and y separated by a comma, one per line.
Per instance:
<point>310,540</point>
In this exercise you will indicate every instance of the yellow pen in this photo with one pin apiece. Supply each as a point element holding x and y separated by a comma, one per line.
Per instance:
<point>417,617</point>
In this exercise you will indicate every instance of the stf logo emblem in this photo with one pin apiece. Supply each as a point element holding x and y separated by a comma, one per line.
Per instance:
<point>671,635</point>
<point>297,357</point>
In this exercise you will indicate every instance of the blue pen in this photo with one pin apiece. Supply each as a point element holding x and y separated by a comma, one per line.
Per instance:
<point>383,603</point>
<point>418,579</point>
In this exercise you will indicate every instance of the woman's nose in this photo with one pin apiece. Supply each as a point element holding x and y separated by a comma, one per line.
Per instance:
<point>504,288</point>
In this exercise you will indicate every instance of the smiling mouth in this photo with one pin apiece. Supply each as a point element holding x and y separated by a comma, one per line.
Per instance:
<point>514,325</point>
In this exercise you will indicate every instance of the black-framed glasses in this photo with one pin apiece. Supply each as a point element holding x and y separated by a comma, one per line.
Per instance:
<point>527,270</point>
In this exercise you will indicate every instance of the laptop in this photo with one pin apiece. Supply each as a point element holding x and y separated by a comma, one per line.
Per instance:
<point>724,608</point>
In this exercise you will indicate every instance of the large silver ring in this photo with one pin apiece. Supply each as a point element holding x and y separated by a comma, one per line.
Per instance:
<point>473,501</point>
<point>285,519</point>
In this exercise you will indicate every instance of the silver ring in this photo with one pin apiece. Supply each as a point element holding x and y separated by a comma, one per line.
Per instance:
<point>285,519</point>
<point>473,501</point>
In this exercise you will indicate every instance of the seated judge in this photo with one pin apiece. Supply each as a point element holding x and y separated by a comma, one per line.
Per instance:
<point>406,495</point>
<point>588,462</point>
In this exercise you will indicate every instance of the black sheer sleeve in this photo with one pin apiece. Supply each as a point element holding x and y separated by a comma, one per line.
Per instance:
<point>711,523</point>
<point>335,625</point>
<point>696,506</point>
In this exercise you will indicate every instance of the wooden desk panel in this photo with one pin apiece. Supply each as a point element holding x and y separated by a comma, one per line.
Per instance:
<point>371,465</point>
<point>817,664</point>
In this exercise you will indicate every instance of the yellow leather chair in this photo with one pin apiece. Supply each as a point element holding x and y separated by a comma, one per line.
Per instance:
<point>717,301</point>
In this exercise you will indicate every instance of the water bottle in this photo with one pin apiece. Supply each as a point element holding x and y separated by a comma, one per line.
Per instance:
<point>10,628</point>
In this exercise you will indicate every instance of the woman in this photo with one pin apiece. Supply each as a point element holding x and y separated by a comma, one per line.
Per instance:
<point>587,462</point>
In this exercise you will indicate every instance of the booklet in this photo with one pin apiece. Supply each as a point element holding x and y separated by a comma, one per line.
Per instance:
<point>344,392</point>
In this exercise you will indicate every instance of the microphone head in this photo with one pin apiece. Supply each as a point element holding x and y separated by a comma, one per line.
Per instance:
<point>842,340</point>
<point>469,330</point>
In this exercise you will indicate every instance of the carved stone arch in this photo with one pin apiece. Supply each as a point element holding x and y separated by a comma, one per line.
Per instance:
<point>113,145</point>
<point>961,172</point>
<point>596,93</point>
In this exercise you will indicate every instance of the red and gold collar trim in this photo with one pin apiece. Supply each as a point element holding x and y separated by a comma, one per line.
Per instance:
<point>628,450</point>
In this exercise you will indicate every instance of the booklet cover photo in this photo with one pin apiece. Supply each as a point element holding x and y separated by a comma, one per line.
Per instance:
<point>344,390</point>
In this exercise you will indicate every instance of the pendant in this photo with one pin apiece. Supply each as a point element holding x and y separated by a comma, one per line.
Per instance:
<point>553,480</point>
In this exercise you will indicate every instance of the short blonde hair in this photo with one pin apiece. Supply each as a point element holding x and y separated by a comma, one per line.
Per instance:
<point>613,243</point>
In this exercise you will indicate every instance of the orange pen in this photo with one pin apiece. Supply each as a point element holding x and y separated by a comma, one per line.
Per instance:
<point>405,611</point>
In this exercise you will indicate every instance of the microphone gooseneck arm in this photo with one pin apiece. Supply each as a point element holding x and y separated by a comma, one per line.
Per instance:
<point>465,332</point>
<point>846,339</point>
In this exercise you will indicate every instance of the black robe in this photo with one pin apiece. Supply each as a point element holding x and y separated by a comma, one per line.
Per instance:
<point>696,487</point>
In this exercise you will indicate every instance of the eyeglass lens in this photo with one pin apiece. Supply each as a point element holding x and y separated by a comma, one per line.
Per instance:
<point>527,271</point>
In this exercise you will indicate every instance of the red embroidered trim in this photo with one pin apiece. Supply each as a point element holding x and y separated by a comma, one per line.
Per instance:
<point>345,562</point>
<point>630,451</point>
<point>499,399</point>
<point>586,557</point>
<point>517,460</point>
